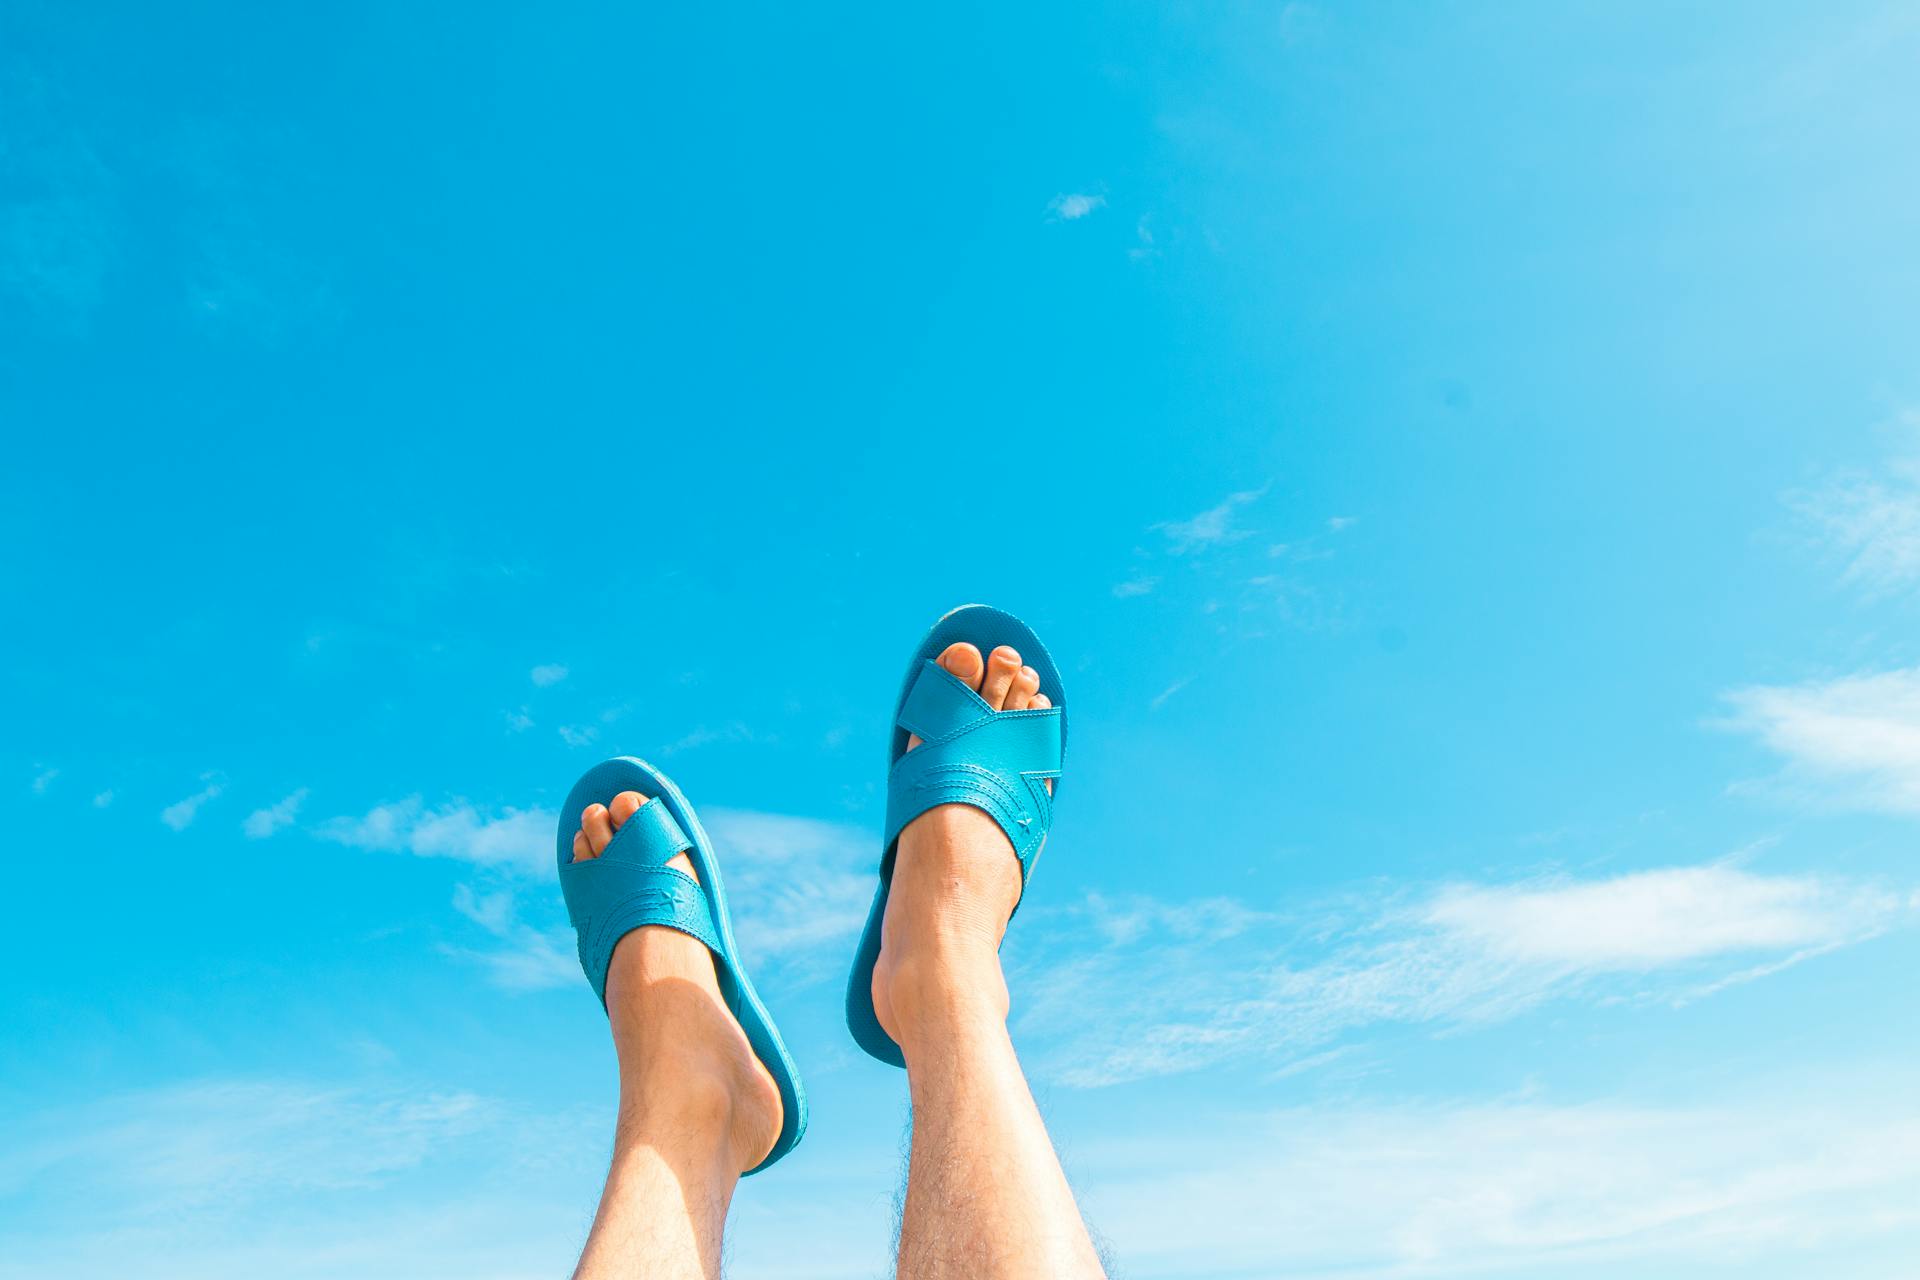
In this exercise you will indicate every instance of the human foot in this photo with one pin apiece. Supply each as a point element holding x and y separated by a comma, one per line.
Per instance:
<point>955,883</point>
<point>685,1064</point>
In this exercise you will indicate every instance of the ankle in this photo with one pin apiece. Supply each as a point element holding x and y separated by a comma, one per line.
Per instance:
<point>935,993</point>
<point>689,1080</point>
<point>674,1086</point>
<point>696,1101</point>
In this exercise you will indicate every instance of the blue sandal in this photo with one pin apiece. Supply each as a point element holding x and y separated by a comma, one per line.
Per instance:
<point>630,885</point>
<point>996,761</point>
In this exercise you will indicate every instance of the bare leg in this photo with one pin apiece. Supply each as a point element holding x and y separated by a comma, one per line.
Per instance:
<point>986,1198</point>
<point>696,1107</point>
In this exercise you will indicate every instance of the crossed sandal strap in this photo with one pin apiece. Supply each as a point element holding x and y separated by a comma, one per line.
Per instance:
<point>997,761</point>
<point>629,885</point>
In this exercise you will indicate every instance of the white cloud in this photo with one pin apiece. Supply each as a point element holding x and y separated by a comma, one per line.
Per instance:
<point>1070,208</point>
<point>705,735</point>
<point>238,1179</point>
<point>1211,527</point>
<point>1519,1186</point>
<point>43,780</point>
<point>516,840</point>
<point>532,959</point>
<point>102,799</point>
<point>578,735</point>
<point>1160,699</point>
<point>1119,922</point>
<point>798,887</point>
<point>550,673</point>
<point>262,823</point>
<point>1247,594</point>
<point>1852,741</point>
<point>1652,918</point>
<point>1871,522</point>
<point>519,721</point>
<point>180,814</point>
<point>228,1178</point>
<point>1143,234</point>
<point>217,1180</point>
<point>1174,997</point>
<point>218,1143</point>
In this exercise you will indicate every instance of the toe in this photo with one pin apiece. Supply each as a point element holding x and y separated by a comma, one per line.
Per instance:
<point>963,661</point>
<point>581,849</point>
<point>1026,683</point>
<point>624,806</point>
<point>1003,664</point>
<point>598,827</point>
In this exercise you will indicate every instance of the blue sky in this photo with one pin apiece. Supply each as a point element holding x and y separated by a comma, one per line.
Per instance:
<point>1466,459</point>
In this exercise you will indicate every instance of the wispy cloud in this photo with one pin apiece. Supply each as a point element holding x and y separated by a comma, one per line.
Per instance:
<point>223,1143</point>
<point>1871,520</point>
<point>1652,919</point>
<point>181,813</point>
<point>1176,996</point>
<point>1211,527</point>
<point>575,735</point>
<point>262,823</point>
<point>1517,1185</point>
<point>1251,583</point>
<point>1160,699</point>
<point>1119,922</point>
<point>550,673</point>
<point>707,735</point>
<point>44,779</point>
<point>101,799</point>
<point>527,958</point>
<point>514,840</point>
<point>798,887</point>
<point>1072,207</point>
<point>1853,741</point>
<point>232,1179</point>
<point>512,849</point>
<point>1144,246</point>
<point>221,1179</point>
<point>804,884</point>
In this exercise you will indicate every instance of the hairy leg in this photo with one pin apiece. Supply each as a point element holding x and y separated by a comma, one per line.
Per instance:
<point>986,1198</point>
<point>696,1107</point>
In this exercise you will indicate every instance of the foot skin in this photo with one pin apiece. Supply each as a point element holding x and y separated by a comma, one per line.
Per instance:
<point>685,1065</point>
<point>956,881</point>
